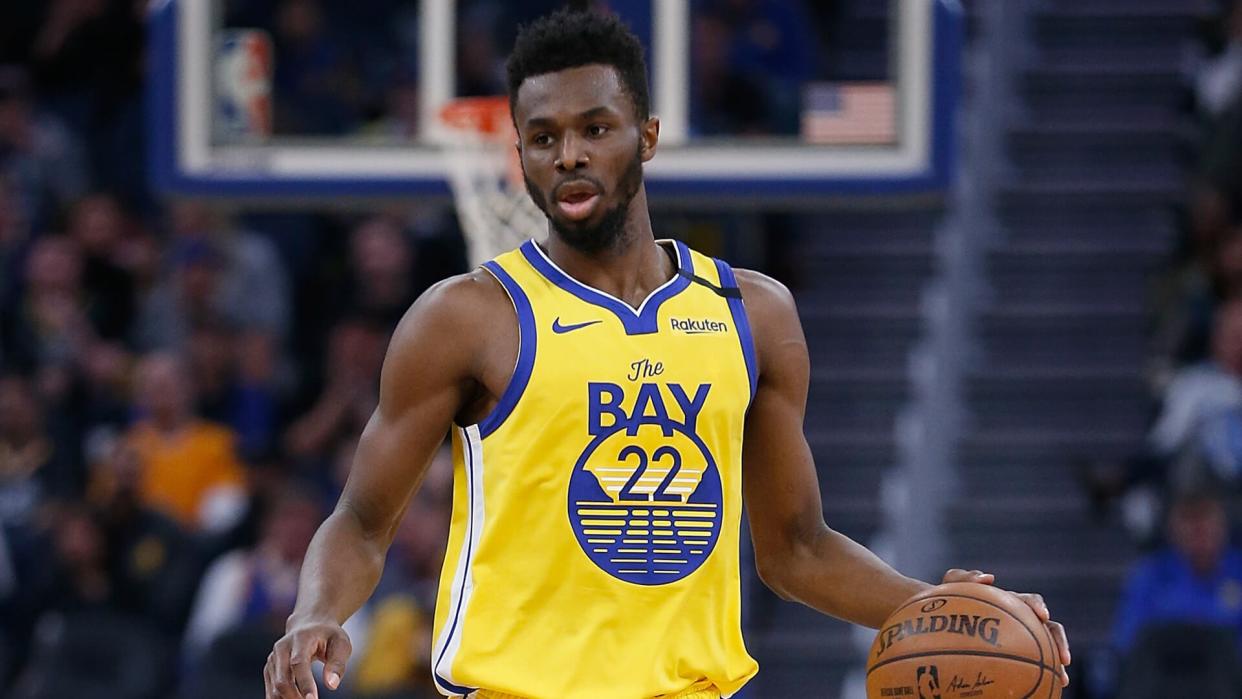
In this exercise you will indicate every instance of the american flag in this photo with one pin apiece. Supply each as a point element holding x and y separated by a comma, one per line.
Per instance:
<point>849,113</point>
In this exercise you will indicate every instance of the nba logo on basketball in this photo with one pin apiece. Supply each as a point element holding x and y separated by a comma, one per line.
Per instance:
<point>928,681</point>
<point>243,85</point>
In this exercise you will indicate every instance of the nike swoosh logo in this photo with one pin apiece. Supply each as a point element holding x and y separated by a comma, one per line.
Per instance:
<point>562,329</point>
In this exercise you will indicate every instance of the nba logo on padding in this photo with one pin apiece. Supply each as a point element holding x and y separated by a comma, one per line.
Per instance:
<point>928,681</point>
<point>243,85</point>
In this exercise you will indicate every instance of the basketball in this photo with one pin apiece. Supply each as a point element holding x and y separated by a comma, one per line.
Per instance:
<point>963,641</point>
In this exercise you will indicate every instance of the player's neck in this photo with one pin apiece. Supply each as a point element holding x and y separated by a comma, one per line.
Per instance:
<point>630,270</point>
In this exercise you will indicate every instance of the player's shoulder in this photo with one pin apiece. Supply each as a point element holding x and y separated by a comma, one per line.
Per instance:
<point>773,316</point>
<point>455,309</point>
<point>462,297</point>
<point>473,287</point>
<point>763,294</point>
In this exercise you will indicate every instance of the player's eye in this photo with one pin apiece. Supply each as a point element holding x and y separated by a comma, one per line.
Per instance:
<point>597,130</point>
<point>542,139</point>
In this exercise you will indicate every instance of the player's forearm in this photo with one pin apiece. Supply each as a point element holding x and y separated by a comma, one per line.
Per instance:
<point>341,569</point>
<point>835,575</point>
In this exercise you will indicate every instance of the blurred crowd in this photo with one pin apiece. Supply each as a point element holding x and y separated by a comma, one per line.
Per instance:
<point>181,390</point>
<point>1178,629</point>
<point>1195,440</point>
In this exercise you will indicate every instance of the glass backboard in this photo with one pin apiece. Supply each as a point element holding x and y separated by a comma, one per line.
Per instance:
<point>758,99</point>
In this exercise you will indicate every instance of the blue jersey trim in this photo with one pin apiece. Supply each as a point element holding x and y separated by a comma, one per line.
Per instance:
<point>641,321</point>
<point>450,687</point>
<point>465,578</point>
<point>527,339</point>
<point>738,309</point>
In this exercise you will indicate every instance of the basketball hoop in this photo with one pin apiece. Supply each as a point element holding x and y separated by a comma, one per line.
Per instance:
<point>495,212</point>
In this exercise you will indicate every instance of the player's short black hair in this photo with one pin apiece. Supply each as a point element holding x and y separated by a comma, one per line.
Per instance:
<point>569,38</point>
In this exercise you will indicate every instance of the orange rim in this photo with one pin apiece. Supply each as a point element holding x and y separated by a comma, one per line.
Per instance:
<point>484,115</point>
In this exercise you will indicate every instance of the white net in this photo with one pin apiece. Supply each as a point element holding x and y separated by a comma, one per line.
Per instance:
<point>495,212</point>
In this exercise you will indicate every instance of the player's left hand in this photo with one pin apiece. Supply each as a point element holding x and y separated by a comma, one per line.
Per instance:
<point>1034,601</point>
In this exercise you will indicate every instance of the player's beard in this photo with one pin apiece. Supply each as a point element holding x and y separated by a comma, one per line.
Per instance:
<point>609,232</point>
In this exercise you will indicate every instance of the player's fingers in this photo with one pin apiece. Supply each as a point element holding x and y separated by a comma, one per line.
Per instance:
<point>271,686</point>
<point>1061,640</point>
<point>336,656</point>
<point>955,575</point>
<point>282,680</point>
<point>1036,602</point>
<point>303,678</point>
<point>303,653</point>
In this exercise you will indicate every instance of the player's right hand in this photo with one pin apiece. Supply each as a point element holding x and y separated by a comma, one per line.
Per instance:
<point>287,674</point>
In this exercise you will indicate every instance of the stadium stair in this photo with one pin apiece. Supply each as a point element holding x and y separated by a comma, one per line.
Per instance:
<point>1086,216</point>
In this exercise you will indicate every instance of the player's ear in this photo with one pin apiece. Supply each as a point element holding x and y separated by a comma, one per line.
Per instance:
<point>649,132</point>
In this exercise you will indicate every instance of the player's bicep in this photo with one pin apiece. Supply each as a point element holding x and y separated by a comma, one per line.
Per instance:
<point>423,385</point>
<point>782,487</point>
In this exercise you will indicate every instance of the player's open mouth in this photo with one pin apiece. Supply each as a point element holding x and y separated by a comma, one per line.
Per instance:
<point>577,201</point>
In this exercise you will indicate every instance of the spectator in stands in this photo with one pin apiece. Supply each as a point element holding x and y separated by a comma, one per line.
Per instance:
<point>1189,302</point>
<point>1201,415</point>
<point>98,225</point>
<point>86,57</point>
<point>722,103</point>
<point>1218,83</point>
<point>752,58</point>
<point>33,468</point>
<point>14,238</point>
<point>89,61</point>
<point>387,260</point>
<point>234,385</point>
<point>152,561</point>
<point>10,634</point>
<point>401,118</point>
<point>101,396</point>
<point>53,335</point>
<point>1197,435</point>
<point>257,585</point>
<point>218,274</point>
<point>50,325</point>
<point>190,469</point>
<point>116,260</point>
<point>1216,201</point>
<point>75,577</point>
<point>351,386</point>
<point>382,284</point>
<point>254,285</point>
<point>1196,578</point>
<point>186,297</point>
<point>480,58</point>
<point>313,90</point>
<point>37,152</point>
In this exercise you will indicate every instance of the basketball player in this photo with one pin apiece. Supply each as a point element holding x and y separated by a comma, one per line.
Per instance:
<point>607,395</point>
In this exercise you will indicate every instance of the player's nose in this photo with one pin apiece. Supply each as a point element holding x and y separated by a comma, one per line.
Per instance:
<point>572,154</point>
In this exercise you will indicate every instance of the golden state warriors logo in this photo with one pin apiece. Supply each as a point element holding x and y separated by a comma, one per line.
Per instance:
<point>645,496</point>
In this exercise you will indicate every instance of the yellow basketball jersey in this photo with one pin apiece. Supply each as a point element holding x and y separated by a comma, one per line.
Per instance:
<point>593,551</point>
